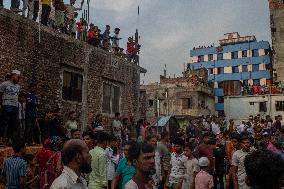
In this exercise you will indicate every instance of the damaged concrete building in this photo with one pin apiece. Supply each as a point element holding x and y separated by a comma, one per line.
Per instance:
<point>189,95</point>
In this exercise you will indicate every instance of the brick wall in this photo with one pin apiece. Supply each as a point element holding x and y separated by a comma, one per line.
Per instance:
<point>43,56</point>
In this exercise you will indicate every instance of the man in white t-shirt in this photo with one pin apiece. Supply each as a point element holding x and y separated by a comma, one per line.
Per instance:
<point>241,128</point>
<point>9,91</point>
<point>238,167</point>
<point>117,126</point>
<point>215,127</point>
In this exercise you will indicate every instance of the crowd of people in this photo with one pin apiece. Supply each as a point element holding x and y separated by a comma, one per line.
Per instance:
<point>209,153</point>
<point>63,18</point>
<point>256,89</point>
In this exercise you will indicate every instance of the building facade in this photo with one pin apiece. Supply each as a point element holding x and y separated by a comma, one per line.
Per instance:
<point>182,96</point>
<point>239,108</point>
<point>236,59</point>
<point>277,33</point>
<point>69,74</point>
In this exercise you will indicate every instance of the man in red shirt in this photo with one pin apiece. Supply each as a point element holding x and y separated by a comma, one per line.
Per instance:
<point>79,28</point>
<point>206,150</point>
<point>131,50</point>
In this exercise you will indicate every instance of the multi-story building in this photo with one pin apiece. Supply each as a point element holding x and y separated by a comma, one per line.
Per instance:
<point>236,59</point>
<point>277,33</point>
<point>189,95</point>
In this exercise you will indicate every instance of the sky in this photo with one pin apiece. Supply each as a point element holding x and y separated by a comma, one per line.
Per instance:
<point>170,28</point>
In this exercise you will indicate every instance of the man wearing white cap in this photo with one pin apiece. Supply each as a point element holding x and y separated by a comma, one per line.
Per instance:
<point>9,91</point>
<point>203,179</point>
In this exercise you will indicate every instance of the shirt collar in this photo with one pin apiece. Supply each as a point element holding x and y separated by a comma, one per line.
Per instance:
<point>71,174</point>
<point>179,155</point>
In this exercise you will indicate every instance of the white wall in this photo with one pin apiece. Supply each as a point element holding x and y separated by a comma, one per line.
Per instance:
<point>239,108</point>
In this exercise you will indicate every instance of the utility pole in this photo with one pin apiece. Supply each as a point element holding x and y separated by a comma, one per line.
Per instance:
<point>88,4</point>
<point>137,46</point>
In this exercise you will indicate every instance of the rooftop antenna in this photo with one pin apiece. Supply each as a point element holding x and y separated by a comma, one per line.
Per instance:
<point>165,71</point>
<point>137,36</point>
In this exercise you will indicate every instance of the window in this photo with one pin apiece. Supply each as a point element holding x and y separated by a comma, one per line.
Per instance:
<point>256,81</point>
<point>220,56</point>
<point>187,103</point>
<point>111,98</point>
<point>151,103</point>
<point>220,99</point>
<point>201,58</point>
<point>72,86</point>
<point>235,69</point>
<point>279,105</point>
<point>220,84</point>
<point>115,99</point>
<point>255,53</point>
<point>244,68</point>
<point>210,71</point>
<point>210,57</point>
<point>220,70</point>
<point>106,98</point>
<point>262,107</point>
<point>244,53</point>
<point>268,66</point>
<point>255,67</point>
<point>234,55</point>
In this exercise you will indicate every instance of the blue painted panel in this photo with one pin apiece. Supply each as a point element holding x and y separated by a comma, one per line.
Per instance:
<point>231,48</point>
<point>233,62</point>
<point>219,106</point>
<point>219,92</point>
<point>240,76</point>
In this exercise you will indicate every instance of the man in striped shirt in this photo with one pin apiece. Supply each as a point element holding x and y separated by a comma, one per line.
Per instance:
<point>15,168</point>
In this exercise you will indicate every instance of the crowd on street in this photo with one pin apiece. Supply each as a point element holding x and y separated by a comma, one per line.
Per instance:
<point>209,153</point>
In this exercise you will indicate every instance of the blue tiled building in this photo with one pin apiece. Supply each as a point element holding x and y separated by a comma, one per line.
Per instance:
<point>237,58</point>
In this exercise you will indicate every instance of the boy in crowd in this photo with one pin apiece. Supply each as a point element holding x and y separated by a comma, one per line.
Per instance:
<point>117,126</point>
<point>75,134</point>
<point>192,167</point>
<point>163,149</point>
<point>112,158</point>
<point>178,160</point>
<point>115,40</point>
<point>219,164</point>
<point>157,177</point>
<point>89,138</point>
<point>203,179</point>
<point>15,167</point>
<point>106,38</point>
<point>32,106</point>
<point>238,168</point>
<point>124,171</point>
<point>142,155</point>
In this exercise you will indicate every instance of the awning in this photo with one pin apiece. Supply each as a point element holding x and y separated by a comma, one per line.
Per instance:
<point>162,121</point>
